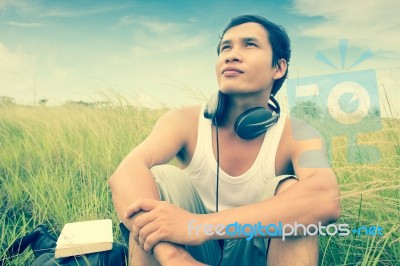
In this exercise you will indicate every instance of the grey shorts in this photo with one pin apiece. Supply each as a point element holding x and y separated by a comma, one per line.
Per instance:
<point>175,187</point>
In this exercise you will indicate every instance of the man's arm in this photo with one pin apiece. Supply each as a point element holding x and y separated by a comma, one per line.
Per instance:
<point>315,198</point>
<point>132,179</point>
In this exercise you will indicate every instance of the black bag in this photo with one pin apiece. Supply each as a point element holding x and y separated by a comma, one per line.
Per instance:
<point>43,245</point>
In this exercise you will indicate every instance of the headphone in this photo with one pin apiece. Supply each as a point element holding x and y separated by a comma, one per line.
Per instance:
<point>249,124</point>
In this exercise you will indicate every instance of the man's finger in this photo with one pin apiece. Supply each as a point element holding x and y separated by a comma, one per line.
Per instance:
<point>144,219</point>
<point>141,204</point>
<point>147,230</point>
<point>152,240</point>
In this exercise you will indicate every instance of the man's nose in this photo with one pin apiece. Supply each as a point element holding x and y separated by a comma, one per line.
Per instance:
<point>233,56</point>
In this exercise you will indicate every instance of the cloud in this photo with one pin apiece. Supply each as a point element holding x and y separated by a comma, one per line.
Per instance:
<point>38,8</point>
<point>81,12</point>
<point>152,24</point>
<point>24,24</point>
<point>368,23</point>
<point>14,60</point>
<point>16,73</point>
<point>19,70</point>
<point>126,20</point>
<point>153,44</point>
<point>159,27</point>
<point>21,6</point>
<point>154,36</point>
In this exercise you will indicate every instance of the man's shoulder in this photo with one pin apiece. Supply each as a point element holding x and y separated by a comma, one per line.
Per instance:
<point>298,129</point>
<point>183,114</point>
<point>179,119</point>
<point>298,135</point>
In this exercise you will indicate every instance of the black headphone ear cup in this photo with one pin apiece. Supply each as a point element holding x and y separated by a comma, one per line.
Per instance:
<point>215,107</point>
<point>220,108</point>
<point>211,107</point>
<point>254,122</point>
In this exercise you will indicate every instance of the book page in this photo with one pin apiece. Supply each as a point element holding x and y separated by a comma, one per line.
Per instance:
<point>86,232</point>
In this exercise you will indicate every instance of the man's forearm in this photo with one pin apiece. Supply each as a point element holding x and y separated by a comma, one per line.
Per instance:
<point>306,202</point>
<point>129,184</point>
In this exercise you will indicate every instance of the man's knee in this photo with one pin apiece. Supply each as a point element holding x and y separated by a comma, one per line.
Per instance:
<point>293,251</point>
<point>284,184</point>
<point>170,177</point>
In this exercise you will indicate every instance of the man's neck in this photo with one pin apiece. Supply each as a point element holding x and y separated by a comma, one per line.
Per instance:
<point>237,104</point>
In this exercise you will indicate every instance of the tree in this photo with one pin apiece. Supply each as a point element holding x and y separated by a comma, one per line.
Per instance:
<point>307,110</point>
<point>43,102</point>
<point>6,101</point>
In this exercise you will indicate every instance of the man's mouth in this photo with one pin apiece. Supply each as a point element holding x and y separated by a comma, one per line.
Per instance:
<point>229,71</point>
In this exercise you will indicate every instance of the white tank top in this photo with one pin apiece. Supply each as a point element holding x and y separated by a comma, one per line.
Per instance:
<point>234,191</point>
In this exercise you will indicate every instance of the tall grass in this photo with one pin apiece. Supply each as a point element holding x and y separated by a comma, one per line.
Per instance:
<point>370,196</point>
<point>55,161</point>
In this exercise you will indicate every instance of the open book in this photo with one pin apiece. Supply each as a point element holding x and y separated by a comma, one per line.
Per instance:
<point>84,237</point>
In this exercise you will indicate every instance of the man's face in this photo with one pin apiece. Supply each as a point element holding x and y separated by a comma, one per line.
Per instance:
<point>245,60</point>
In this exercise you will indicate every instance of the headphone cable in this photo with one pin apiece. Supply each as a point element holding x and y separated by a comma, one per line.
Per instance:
<point>216,192</point>
<point>221,242</point>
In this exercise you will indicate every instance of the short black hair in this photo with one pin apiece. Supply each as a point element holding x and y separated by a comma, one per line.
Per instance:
<point>278,38</point>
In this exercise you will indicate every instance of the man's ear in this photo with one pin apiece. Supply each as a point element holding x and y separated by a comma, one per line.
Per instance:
<point>280,69</point>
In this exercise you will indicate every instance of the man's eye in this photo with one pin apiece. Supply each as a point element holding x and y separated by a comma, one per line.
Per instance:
<point>224,47</point>
<point>250,44</point>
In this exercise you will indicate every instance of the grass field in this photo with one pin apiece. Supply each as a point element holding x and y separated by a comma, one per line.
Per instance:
<point>55,162</point>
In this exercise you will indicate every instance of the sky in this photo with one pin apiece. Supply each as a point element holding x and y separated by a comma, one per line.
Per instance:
<point>162,53</point>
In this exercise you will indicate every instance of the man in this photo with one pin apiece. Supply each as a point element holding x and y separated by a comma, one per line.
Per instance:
<point>269,177</point>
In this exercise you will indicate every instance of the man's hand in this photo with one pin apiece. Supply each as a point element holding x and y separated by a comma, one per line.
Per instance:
<point>161,221</point>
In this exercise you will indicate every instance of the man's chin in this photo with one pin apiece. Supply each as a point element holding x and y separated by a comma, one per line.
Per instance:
<point>232,90</point>
<point>239,91</point>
